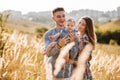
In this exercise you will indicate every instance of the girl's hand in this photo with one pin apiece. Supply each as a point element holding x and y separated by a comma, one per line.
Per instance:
<point>71,36</point>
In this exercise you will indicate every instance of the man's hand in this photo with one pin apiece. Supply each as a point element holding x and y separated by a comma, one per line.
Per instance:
<point>66,39</point>
<point>63,41</point>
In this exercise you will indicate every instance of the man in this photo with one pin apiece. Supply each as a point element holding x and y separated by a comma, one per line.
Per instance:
<point>58,15</point>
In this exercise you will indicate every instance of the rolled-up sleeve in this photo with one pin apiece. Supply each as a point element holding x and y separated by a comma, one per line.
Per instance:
<point>47,41</point>
<point>55,50</point>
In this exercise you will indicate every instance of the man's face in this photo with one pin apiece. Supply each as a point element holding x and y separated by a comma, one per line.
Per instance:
<point>59,18</point>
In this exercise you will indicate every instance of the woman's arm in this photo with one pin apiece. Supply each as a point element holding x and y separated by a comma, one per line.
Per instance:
<point>81,64</point>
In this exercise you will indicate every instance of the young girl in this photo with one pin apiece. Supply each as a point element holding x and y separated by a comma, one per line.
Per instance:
<point>87,40</point>
<point>70,27</point>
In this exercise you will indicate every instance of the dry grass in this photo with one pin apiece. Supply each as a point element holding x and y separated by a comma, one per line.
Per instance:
<point>105,64</point>
<point>24,25</point>
<point>22,59</point>
<point>110,26</point>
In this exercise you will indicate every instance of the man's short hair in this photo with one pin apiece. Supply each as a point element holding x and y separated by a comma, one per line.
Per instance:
<point>57,9</point>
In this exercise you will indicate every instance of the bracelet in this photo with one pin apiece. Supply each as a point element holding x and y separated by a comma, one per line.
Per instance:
<point>58,46</point>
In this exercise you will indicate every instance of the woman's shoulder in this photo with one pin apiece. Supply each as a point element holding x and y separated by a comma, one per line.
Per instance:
<point>89,46</point>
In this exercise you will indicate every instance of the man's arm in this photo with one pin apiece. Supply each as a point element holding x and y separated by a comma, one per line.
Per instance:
<point>56,49</point>
<point>47,41</point>
<point>50,46</point>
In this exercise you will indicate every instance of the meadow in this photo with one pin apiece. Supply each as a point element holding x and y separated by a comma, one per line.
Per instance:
<point>22,59</point>
<point>21,55</point>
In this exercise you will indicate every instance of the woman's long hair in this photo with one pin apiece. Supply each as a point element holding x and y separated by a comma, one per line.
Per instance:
<point>90,30</point>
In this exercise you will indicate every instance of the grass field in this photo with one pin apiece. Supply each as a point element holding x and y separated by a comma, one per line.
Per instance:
<point>105,64</point>
<point>23,59</point>
<point>110,26</point>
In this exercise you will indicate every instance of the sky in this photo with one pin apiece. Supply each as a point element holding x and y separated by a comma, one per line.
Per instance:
<point>26,6</point>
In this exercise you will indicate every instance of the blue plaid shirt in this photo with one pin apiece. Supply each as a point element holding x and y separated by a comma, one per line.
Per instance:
<point>53,54</point>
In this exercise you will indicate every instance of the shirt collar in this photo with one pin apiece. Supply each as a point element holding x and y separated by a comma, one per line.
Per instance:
<point>58,30</point>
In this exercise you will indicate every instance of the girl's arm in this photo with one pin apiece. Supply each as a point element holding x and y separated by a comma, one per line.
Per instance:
<point>55,36</point>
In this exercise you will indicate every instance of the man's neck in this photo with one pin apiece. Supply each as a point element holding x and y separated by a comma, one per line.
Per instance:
<point>58,27</point>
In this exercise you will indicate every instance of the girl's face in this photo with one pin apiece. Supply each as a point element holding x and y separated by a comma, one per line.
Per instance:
<point>82,25</point>
<point>70,25</point>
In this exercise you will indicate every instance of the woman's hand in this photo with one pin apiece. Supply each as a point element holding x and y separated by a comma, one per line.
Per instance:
<point>71,61</point>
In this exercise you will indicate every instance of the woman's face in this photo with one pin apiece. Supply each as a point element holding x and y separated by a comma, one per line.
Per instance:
<point>82,25</point>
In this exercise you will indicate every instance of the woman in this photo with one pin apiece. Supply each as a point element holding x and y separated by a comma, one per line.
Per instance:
<point>87,40</point>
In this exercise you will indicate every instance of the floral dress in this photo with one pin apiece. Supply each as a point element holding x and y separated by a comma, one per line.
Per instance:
<point>82,42</point>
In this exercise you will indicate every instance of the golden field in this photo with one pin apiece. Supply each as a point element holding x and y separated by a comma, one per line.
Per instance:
<point>22,59</point>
